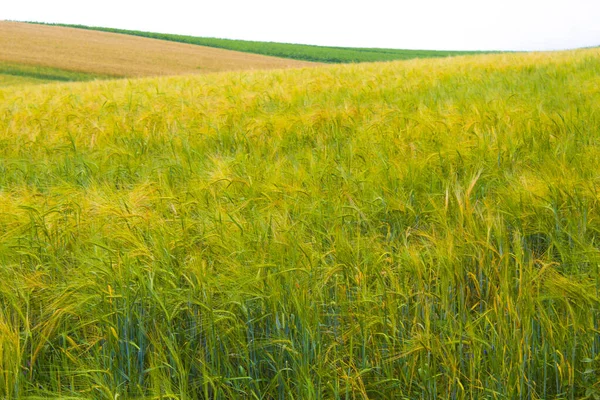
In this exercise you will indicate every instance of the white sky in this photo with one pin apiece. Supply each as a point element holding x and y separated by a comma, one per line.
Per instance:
<point>416,24</point>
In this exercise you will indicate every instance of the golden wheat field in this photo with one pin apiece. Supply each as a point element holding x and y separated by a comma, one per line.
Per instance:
<point>427,229</point>
<point>111,54</point>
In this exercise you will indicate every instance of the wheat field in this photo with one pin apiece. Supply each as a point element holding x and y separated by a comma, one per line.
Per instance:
<point>117,55</point>
<point>304,52</point>
<point>426,229</point>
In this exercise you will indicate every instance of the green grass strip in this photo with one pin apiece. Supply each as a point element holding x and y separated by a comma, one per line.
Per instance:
<point>46,73</point>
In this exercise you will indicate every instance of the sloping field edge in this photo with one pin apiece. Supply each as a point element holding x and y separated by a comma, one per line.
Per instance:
<point>304,52</point>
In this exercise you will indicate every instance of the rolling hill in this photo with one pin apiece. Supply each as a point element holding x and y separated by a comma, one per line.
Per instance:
<point>324,54</point>
<point>32,52</point>
<point>419,229</point>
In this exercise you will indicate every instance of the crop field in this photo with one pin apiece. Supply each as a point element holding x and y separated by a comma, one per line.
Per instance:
<point>16,80</point>
<point>324,54</point>
<point>101,54</point>
<point>424,229</point>
<point>12,74</point>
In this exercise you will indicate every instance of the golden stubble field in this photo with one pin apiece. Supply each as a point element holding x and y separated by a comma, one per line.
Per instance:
<point>121,55</point>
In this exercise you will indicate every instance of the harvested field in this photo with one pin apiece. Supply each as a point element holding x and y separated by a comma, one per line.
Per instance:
<point>121,55</point>
<point>304,52</point>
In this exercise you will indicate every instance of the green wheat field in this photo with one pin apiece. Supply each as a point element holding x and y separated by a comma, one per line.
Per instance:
<point>424,229</point>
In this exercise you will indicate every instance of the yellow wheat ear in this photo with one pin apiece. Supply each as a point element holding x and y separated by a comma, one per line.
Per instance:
<point>419,229</point>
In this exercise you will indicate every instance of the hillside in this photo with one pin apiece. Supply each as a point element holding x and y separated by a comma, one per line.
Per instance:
<point>14,74</point>
<point>324,54</point>
<point>420,229</point>
<point>108,54</point>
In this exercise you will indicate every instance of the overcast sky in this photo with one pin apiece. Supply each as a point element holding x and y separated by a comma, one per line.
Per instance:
<point>415,24</point>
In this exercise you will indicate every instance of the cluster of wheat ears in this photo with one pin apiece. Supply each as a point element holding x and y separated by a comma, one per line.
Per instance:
<point>423,230</point>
